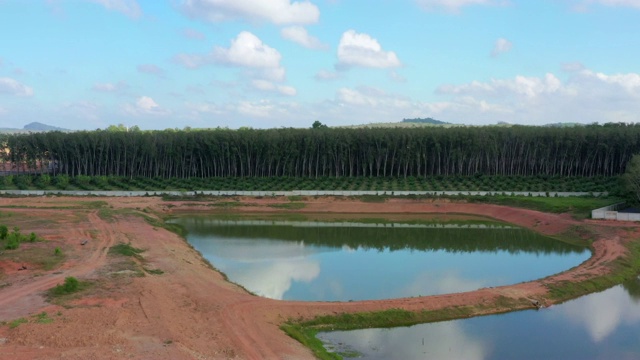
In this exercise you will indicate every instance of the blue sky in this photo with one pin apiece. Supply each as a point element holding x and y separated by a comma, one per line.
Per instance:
<point>87,64</point>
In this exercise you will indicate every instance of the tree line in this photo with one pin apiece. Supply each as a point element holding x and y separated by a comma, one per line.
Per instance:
<point>594,150</point>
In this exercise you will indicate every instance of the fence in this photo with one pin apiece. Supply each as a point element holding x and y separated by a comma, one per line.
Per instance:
<point>612,212</point>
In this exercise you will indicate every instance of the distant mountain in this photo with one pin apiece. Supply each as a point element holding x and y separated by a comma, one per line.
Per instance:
<point>36,126</point>
<point>561,124</point>
<point>426,121</point>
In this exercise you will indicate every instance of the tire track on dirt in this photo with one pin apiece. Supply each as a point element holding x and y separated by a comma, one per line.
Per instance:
<point>31,293</point>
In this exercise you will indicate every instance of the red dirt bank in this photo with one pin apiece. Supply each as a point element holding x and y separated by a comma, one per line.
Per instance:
<point>191,312</point>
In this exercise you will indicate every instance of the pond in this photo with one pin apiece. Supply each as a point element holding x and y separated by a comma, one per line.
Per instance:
<point>364,259</point>
<point>605,325</point>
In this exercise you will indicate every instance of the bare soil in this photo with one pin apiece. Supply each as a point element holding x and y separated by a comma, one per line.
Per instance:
<point>190,311</point>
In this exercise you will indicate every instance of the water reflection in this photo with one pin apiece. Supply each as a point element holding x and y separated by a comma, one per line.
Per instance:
<point>605,325</point>
<point>356,261</point>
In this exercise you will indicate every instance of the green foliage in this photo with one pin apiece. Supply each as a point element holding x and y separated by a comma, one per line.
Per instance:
<point>57,251</point>
<point>420,152</point>
<point>631,178</point>
<point>126,250</point>
<point>380,184</point>
<point>289,206</point>
<point>579,206</point>
<point>70,286</point>
<point>318,125</point>
<point>7,180</point>
<point>62,181</point>
<point>13,242</point>
<point>4,231</point>
<point>43,181</point>
<point>23,182</point>
<point>15,323</point>
<point>154,271</point>
<point>43,318</point>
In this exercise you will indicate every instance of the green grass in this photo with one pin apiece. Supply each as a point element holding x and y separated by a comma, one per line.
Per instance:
<point>126,250</point>
<point>154,271</point>
<point>43,318</point>
<point>429,183</point>
<point>17,322</point>
<point>289,206</point>
<point>70,286</point>
<point>580,207</point>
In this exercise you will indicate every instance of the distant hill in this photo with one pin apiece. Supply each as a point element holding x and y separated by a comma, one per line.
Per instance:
<point>426,121</point>
<point>561,124</point>
<point>32,127</point>
<point>36,126</point>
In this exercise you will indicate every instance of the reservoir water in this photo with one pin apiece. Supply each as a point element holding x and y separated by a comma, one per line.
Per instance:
<point>605,325</point>
<point>363,259</point>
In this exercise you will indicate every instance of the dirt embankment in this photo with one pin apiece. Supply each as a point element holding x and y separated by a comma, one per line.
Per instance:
<point>190,311</point>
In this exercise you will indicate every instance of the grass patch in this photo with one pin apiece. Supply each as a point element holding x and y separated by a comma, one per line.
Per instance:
<point>107,214</point>
<point>228,204</point>
<point>371,198</point>
<point>126,250</point>
<point>39,256</point>
<point>70,286</point>
<point>580,207</point>
<point>305,331</point>
<point>154,271</point>
<point>17,322</point>
<point>43,318</point>
<point>289,206</point>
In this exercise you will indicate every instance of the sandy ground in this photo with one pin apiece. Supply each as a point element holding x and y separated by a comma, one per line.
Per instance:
<point>190,311</point>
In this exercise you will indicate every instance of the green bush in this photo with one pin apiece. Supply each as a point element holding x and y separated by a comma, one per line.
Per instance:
<point>43,181</point>
<point>69,286</point>
<point>62,181</point>
<point>4,231</point>
<point>13,242</point>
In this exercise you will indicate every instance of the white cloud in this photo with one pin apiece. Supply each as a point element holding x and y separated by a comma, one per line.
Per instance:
<point>145,105</point>
<point>110,87</point>
<point>454,5</point>
<point>274,11</point>
<point>325,75</point>
<point>359,49</point>
<point>299,35</point>
<point>501,46</point>
<point>247,51</point>
<point>127,7</point>
<point>265,85</point>
<point>530,87</point>
<point>150,69</point>
<point>13,87</point>
<point>581,95</point>
<point>585,96</point>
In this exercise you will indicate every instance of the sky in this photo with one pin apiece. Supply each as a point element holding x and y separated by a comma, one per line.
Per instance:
<point>88,64</point>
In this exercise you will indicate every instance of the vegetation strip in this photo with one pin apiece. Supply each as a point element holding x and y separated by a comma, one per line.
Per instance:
<point>594,150</point>
<point>377,185</point>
